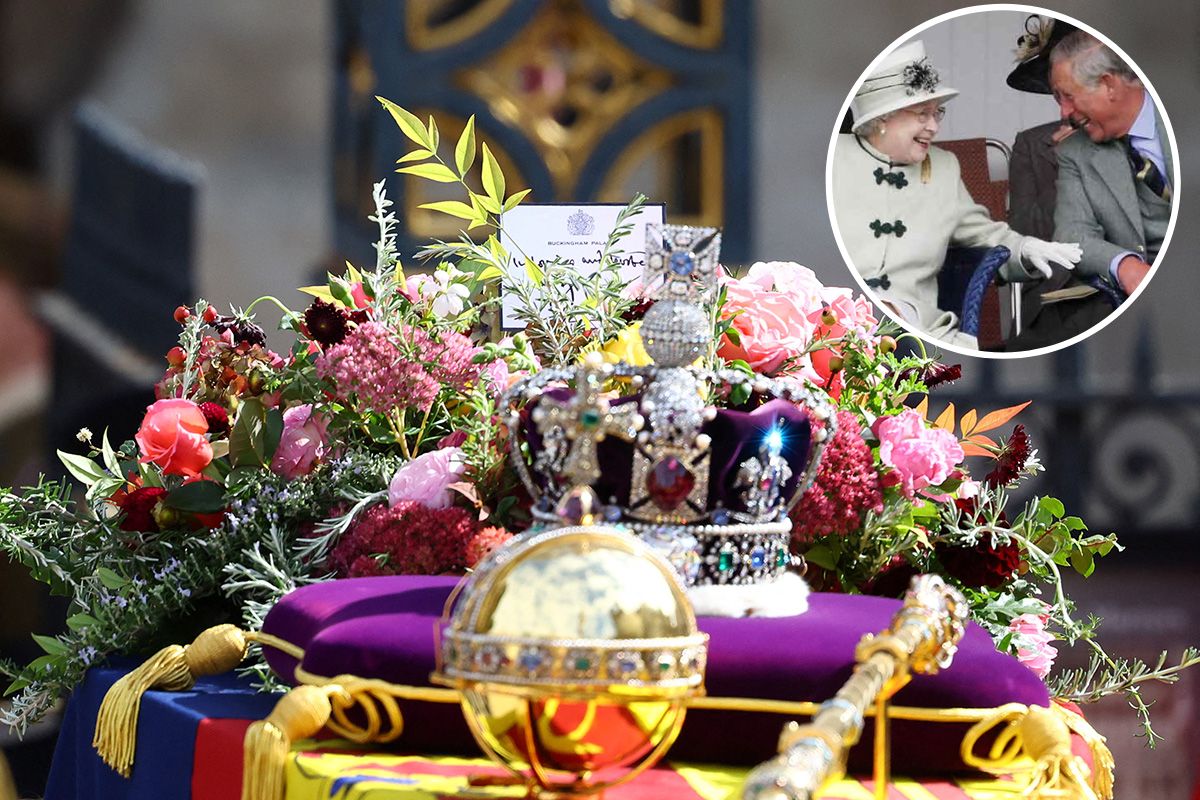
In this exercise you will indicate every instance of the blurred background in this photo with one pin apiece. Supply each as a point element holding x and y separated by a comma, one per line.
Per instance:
<point>226,150</point>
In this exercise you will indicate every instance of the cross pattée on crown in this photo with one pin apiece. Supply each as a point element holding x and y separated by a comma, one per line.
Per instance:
<point>681,262</point>
<point>586,419</point>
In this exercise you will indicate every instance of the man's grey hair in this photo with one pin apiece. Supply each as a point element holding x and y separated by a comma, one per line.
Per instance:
<point>1090,58</point>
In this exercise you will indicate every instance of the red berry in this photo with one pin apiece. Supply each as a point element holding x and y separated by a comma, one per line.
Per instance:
<point>176,356</point>
<point>210,315</point>
<point>182,313</point>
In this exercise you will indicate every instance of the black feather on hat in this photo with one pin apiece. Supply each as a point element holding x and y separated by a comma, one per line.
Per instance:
<point>1032,74</point>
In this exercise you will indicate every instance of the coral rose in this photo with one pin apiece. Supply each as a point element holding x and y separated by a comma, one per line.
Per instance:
<point>173,437</point>
<point>772,327</point>
<point>302,443</point>
<point>920,456</point>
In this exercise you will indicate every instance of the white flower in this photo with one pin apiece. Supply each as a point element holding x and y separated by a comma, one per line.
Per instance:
<point>84,435</point>
<point>446,295</point>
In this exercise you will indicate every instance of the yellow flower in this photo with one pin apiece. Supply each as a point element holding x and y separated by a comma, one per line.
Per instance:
<point>627,346</point>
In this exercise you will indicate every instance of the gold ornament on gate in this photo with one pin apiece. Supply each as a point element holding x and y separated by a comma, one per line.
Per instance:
<point>575,650</point>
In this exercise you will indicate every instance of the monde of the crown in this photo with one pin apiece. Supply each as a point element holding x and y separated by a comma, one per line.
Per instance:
<point>710,487</point>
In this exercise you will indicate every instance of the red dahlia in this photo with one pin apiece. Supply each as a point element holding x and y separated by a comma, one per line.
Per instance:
<point>138,507</point>
<point>986,564</point>
<point>217,416</point>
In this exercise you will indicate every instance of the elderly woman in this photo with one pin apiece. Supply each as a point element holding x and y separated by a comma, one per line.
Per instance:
<point>900,202</point>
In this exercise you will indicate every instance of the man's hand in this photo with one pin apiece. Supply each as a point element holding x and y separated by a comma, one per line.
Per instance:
<point>1131,271</point>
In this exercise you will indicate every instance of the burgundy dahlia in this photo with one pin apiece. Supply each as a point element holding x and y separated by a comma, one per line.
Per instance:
<point>987,564</point>
<point>326,323</point>
<point>1011,460</point>
<point>893,580</point>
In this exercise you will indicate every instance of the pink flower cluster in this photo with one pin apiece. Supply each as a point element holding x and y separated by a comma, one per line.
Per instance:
<point>385,371</point>
<point>1033,643</point>
<point>781,308</point>
<point>845,489</point>
<point>412,539</point>
<point>919,456</point>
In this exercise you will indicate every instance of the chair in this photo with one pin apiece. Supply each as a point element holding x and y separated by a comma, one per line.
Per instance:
<point>965,280</point>
<point>127,262</point>
<point>982,305</point>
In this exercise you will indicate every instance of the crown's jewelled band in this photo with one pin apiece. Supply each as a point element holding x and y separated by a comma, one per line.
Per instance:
<point>721,555</point>
<point>674,662</point>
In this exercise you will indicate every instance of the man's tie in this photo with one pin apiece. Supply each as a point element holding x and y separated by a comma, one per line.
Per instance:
<point>1145,170</point>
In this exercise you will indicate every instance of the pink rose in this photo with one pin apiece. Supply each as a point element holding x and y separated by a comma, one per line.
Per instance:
<point>172,436</point>
<point>771,326</point>
<point>302,443</point>
<point>920,456</point>
<point>427,478</point>
<point>1033,643</point>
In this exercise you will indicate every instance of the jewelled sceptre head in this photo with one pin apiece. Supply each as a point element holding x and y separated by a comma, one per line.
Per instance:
<point>922,638</point>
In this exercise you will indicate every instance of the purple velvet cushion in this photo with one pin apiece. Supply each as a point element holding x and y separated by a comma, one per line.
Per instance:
<point>384,628</point>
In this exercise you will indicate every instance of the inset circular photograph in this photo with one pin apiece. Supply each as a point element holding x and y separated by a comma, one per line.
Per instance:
<point>1003,181</point>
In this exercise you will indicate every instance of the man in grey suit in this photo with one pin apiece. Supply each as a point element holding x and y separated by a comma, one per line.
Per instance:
<point>1113,185</point>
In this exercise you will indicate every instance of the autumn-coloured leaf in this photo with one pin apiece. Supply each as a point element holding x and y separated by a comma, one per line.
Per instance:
<point>997,418</point>
<point>946,420</point>
<point>923,407</point>
<point>970,449</point>
<point>981,440</point>
<point>968,422</point>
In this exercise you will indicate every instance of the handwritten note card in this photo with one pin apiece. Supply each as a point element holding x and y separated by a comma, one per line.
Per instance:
<point>576,235</point>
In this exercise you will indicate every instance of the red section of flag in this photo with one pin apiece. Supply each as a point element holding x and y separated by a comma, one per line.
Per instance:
<point>217,764</point>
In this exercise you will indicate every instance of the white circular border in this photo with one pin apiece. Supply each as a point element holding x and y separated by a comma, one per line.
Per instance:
<point>1176,190</point>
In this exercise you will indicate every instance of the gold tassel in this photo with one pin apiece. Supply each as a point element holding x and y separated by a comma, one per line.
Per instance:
<point>1103,765</point>
<point>299,714</point>
<point>1043,736</point>
<point>1058,771</point>
<point>172,669</point>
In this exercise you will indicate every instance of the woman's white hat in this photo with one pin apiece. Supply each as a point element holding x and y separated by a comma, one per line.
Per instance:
<point>904,78</point>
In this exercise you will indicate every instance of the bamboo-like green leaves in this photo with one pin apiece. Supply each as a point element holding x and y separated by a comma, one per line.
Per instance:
<point>493,178</point>
<point>420,154</point>
<point>480,208</point>
<point>514,199</point>
<point>464,151</point>
<point>454,208</point>
<point>408,122</point>
<point>434,172</point>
